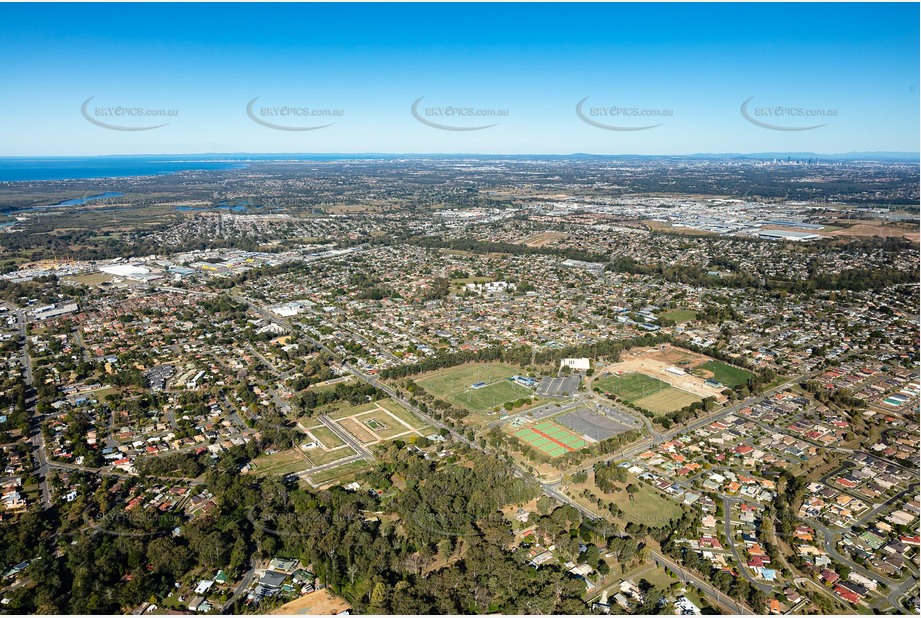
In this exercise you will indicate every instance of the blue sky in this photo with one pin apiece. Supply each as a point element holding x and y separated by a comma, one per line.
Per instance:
<point>692,65</point>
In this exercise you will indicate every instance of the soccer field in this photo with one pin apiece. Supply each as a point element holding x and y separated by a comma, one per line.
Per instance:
<point>667,400</point>
<point>488,397</point>
<point>727,375</point>
<point>455,384</point>
<point>453,380</point>
<point>632,386</point>
<point>679,315</point>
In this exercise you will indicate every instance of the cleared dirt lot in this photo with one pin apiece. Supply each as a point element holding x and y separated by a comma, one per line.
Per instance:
<point>541,240</point>
<point>353,427</point>
<point>319,603</point>
<point>658,226</point>
<point>655,361</point>
<point>873,228</point>
<point>679,357</point>
<point>375,422</point>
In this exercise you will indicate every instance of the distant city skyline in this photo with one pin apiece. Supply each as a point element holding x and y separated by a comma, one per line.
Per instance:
<point>482,79</point>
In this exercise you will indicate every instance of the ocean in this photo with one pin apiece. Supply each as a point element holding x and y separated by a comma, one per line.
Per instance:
<point>25,169</point>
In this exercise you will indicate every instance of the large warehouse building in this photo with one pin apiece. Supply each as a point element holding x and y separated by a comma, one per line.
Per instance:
<point>125,270</point>
<point>785,235</point>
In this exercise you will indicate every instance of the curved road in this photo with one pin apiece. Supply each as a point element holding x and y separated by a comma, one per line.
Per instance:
<point>743,567</point>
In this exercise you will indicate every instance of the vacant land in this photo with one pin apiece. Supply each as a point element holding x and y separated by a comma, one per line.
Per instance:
<point>338,472</point>
<point>374,422</point>
<point>318,603</point>
<point>656,575</point>
<point>726,375</point>
<point>329,385</point>
<point>383,425</point>
<point>669,354</point>
<point>877,228</point>
<point>326,437</point>
<point>319,457</point>
<point>465,280</point>
<point>91,279</point>
<point>646,506</point>
<point>544,239</point>
<point>631,386</point>
<point>344,409</point>
<point>355,428</point>
<point>402,413</point>
<point>283,462</point>
<point>662,226</point>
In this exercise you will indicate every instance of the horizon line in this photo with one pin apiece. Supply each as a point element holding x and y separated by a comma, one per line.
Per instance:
<point>905,153</point>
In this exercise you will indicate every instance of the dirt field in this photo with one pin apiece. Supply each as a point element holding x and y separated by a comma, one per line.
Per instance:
<point>679,357</point>
<point>662,226</point>
<point>355,208</point>
<point>654,362</point>
<point>361,433</point>
<point>319,603</point>
<point>530,192</point>
<point>541,240</point>
<point>878,228</point>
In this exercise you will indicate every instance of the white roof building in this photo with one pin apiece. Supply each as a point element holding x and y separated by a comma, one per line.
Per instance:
<point>785,235</point>
<point>125,270</point>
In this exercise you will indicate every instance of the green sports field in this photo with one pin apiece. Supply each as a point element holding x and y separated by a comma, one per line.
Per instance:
<point>667,400</point>
<point>726,375</point>
<point>455,384</point>
<point>632,386</point>
<point>489,397</point>
<point>550,438</point>
<point>679,315</point>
